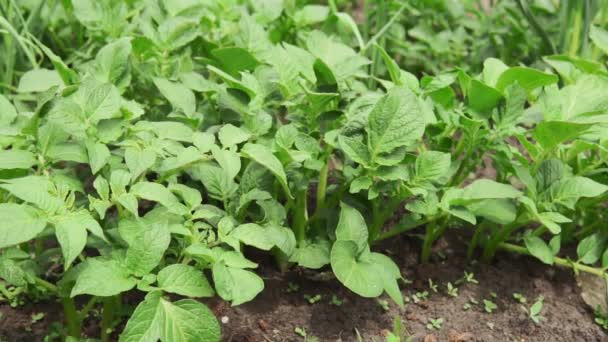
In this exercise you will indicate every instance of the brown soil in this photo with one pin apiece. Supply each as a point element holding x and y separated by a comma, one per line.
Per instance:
<point>276,313</point>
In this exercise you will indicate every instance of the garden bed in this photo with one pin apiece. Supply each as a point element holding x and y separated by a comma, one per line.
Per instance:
<point>283,307</point>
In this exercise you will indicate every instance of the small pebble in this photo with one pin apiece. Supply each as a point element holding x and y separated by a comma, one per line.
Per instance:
<point>225,319</point>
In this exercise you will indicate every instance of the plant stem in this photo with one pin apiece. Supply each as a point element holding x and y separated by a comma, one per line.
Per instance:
<point>322,186</point>
<point>106,318</point>
<point>403,228</point>
<point>300,216</point>
<point>475,240</point>
<point>558,261</point>
<point>71,316</point>
<point>433,232</point>
<point>500,236</point>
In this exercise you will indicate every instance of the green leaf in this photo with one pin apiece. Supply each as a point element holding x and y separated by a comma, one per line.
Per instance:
<point>112,63</point>
<point>37,190</point>
<point>158,193</point>
<point>39,80</point>
<point>483,98</point>
<point>102,277</point>
<point>179,96</point>
<point>234,59</point>
<point>527,78</point>
<point>577,187</point>
<point>183,321</point>
<point>395,121</point>
<point>549,134</point>
<point>599,37</point>
<point>8,113</point>
<point>98,101</point>
<point>539,249</point>
<point>312,255</point>
<point>216,180</point>
<point>71,232</point>
<point>146,322</point>
<point>147,247</point>
<point>189,321</point>
<point>138,161</point>
<point>352,227</point>
<point>487,188</point>
<point>230,135</point>
<point>551,220</point>
<point>359,276</point>
<point>17,159</point>
<point>184,280</point>
<point>432,166</point>
<point>355,149</point>
<point>254,235</point>
<point>263,156</point>
<point>99,154</point>
<point>20,223</point>
<point>590,249</point>
<point>236,285</point>
<point>229,161</point>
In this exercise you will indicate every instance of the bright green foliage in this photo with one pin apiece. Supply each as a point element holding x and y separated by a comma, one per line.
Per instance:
<point>151,145</point>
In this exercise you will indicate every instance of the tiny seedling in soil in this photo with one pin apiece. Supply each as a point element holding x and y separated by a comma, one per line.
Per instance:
<point>601,318</point>
<point>466,306</point>
<point>420,296</point>
<point>335,301</point>
<point>302,332</point>
<point>535,310</point>
<point>489,306</point>
<point>37,316</point>
<point>520,298</point>
<point>470,278</point>
<point>432,285</point>
<point>452,290</point>
<point>435,324</point>
<point>384,304</point>
<point>292,287</point>
<point>312,299</point>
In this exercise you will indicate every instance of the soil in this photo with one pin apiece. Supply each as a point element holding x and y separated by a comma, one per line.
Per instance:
<point>276,313</point>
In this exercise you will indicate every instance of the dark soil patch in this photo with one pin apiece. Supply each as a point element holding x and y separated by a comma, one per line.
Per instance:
<point>276,313</point>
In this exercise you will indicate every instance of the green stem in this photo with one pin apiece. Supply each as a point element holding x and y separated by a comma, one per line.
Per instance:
<point>300,216</point>
<point>107,316</point>
<point>558,261</point>
<point>536,27</point>
<point>475,240</point>
<point>322,186</point>
<point>84,312</point>
<point>499,237</point>
<point>425,255</point>
<point>71,316</point>
<point>404,228</point>
<point>45,284</point>
<point>377,221</point>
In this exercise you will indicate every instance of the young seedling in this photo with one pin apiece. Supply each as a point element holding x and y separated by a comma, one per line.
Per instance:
<point>302,333</point>
<point>601,318</point>
<point>420,296</point>
<point>292,287</point>
<point>335,301</point>
<point>535,310</point>
<point>452,290</point>
<point>489,306</point>
<point>312,299</point>
<point>384,304</point>
<point>434,323</point>
<point>432,285</point>
<point>520,298</point>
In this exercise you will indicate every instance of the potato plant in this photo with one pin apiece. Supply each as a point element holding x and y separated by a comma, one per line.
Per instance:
<point>148,146</point>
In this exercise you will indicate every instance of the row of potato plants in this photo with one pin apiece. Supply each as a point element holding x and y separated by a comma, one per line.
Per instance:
<point>148,145</point>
